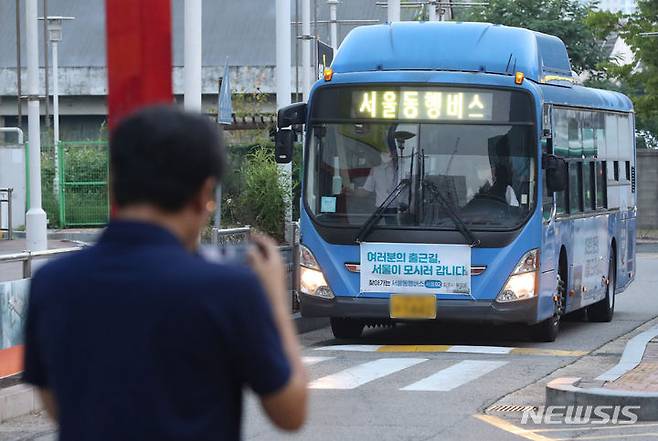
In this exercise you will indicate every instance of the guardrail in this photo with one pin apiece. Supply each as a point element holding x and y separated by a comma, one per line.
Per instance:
<point>224,237</point>
<point>7,200</point>
<point>28,256</point>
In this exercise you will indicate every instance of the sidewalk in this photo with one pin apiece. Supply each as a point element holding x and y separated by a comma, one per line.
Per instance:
<point>633,381</point>
<point>643,378</point>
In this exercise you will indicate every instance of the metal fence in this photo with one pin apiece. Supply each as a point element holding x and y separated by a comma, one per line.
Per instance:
<point>83,183</point>
<point>6,198</point>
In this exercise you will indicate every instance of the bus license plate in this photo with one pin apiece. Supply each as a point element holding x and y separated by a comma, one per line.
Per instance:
<point>413,306</point>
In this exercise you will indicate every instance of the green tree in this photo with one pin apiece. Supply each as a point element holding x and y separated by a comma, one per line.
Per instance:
<point>639,80</point>
<point>580,27</point>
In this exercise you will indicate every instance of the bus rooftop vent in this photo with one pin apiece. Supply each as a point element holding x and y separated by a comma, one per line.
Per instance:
<point>454,46</point>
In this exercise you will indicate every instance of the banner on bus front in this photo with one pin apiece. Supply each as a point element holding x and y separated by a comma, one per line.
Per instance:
<point>401,268</point>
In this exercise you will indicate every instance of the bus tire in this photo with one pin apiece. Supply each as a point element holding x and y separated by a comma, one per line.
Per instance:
<point>346,328</point>
<point>604,310</point>
<point>548,330</point>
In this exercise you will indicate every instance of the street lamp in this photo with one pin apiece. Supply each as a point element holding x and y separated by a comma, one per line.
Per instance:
<point>55,36</point>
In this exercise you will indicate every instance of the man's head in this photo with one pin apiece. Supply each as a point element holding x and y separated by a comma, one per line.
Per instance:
<point>165,165</point>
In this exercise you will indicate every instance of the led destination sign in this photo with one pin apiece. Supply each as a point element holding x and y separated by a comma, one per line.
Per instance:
<point>422,104</point>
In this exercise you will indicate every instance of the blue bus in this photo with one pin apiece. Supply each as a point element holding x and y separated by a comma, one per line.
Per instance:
<point>456,171</point>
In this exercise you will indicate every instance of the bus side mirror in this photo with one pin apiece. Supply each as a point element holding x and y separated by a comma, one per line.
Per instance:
<point>283,146</point>
<point>291,115</point>
<point>556,173</point>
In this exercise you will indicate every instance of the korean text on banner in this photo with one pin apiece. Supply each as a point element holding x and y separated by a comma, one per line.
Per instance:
<point>415,268</point>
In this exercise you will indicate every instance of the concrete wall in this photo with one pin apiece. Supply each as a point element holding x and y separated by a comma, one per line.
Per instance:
<point>12,174</point>
<point>647,188</point>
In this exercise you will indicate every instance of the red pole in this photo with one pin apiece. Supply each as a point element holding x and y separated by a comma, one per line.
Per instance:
<point>138,55</point>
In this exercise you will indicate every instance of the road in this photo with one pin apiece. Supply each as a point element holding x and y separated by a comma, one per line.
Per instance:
<point>419,382</point>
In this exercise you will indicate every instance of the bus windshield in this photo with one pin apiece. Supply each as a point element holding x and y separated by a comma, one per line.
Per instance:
<point>482,171</point>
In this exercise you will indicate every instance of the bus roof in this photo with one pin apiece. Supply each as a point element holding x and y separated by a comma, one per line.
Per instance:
<point>472,47</point>
<point>453,46</point>
<point>580,96</point>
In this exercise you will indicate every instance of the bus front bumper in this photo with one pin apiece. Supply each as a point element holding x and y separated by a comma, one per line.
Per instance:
<point>488,311</point>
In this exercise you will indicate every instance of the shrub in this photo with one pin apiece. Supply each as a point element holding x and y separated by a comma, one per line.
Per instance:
<point>263,201</point>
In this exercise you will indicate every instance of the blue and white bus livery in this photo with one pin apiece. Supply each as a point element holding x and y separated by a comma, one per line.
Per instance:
<point>454,171</point>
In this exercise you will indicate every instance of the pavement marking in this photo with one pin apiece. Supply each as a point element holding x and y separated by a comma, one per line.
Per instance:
<point>548,352</point>
<point>310,361</point>
<point>350,348</point>
<point>356,376</point>
<point>632,355</point>
<point>455,376</point>
<point>480,349</point>
<point>462,349</point>
<point>511,428</point>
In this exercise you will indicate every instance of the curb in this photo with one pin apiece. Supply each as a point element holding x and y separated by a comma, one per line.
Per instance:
<point>17,401</point>
<point>566,392</point>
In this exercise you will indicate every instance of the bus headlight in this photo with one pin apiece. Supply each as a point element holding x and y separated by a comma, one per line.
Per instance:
<point>523,282</point>
<point>312,281</point>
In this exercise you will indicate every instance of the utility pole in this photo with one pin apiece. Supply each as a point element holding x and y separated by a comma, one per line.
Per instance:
<point>333,20</point>
<point>306,38</point>
<point>19,88</point>
<point>283,87</point>
<point>35,219</point>
<point>393,11</point>
<point>192,73</point>
<point>432,10</point>
<point>45,63</point>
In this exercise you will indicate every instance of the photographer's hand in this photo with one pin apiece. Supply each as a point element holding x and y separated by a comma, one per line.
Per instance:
<point>286,408</point>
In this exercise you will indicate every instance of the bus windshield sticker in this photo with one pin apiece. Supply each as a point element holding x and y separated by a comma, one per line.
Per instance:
<point>328,204</point>
<point>399,268</point>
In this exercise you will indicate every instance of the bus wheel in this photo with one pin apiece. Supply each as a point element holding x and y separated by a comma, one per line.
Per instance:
<point>548,330</point>
<point>346,328</point>
<point>603,310</point>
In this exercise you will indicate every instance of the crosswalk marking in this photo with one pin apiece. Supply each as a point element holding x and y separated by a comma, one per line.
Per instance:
<point>356,376</point>
<point>480,349</point>
<point>350,348</point>
<point>310,361</point>
<point>455,376</point>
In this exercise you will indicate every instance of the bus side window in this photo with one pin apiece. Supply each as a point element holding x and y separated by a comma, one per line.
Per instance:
<point>589,186</point>
<point>575,187</point>
<point>616,170</point>
<point>601,185</point>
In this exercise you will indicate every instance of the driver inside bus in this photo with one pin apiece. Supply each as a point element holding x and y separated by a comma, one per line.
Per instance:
<point>501,173</point>
<point>382,179</point>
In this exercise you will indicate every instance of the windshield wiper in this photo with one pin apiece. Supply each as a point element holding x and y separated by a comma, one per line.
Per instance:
<point>377,214</point>
<point>447,206</point>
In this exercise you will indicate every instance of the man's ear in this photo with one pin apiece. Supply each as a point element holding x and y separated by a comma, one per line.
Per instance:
<point>205,199</point>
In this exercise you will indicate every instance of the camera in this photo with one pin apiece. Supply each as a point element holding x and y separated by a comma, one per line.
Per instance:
<point>227,254</point>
